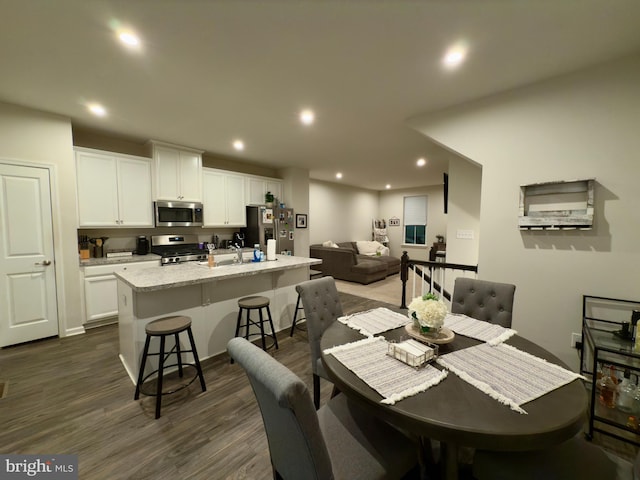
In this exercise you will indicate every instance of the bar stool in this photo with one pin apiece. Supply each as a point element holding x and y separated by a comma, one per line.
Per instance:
<point>312,274</point>
<point>295,317</point>
<point>255,303</point>
<point>164,327</point>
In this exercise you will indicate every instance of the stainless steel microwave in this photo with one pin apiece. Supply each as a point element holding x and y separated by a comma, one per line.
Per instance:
<point>178,214</point>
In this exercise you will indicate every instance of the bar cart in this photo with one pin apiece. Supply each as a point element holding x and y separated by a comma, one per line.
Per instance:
<point>608,344</point>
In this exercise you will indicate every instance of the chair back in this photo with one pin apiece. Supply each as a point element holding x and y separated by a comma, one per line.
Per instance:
<point>296,444</point>
<point>483,300</point>
<point>322,307</point>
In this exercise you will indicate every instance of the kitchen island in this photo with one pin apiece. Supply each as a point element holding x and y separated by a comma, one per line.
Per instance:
<point>208,295</point>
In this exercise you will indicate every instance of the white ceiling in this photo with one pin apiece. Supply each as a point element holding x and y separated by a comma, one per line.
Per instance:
<point>213,71</point>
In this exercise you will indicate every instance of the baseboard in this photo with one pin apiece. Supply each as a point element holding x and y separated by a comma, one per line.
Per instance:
<point>69,332</point>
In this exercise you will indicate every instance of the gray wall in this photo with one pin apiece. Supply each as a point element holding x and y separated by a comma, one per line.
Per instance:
<point>340,213</point>
<point>343,213</point>
<point>31,137</point>
<point>392,205</point>
<point>583,125</point>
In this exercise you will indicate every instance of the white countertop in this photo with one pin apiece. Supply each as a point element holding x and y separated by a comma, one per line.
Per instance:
<point>192,273</point>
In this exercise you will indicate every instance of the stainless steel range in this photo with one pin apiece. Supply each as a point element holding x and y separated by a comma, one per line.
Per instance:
<point>176,249</point>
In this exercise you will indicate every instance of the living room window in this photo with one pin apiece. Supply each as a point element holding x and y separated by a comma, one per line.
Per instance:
<point>415,220</point>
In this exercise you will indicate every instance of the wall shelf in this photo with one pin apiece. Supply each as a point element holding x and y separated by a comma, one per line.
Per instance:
<point>561,205</point>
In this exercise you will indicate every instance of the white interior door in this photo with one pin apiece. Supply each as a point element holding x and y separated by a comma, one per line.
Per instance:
<point>28,306</point>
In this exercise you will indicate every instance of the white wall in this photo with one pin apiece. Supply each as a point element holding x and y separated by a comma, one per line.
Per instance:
<point>44,139</point>
<point>296,194</point>
<point>578,126</point>
<point>340,213</point>
<point>392,205</point>
<point>465,184</point>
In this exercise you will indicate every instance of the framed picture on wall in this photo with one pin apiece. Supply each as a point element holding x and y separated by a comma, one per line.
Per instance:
<point>301,220</point>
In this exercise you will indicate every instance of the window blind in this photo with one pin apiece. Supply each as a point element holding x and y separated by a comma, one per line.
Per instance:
<point>415,210</point>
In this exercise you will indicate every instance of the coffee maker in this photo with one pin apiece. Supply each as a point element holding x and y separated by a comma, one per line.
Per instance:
<point>142,245</point>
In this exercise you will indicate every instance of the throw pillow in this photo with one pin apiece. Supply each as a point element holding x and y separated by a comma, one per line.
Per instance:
<point>371,248</point>
<point>366,247</point>
<point>330,244</point>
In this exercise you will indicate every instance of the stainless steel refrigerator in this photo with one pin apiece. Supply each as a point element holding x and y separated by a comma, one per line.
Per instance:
<point>265,223</point>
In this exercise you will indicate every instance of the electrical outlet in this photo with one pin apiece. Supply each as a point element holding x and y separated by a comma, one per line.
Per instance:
<point>576,338</point>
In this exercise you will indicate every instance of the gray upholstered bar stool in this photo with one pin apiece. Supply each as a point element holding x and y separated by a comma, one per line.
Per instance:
<point>258,303</point>
<point>164,327</point>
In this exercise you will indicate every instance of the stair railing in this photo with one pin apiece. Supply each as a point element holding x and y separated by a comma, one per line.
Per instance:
<point>430,277</point>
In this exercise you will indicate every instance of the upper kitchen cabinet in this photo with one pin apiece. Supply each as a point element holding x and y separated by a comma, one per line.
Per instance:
<point>257,187</point>
<point>114,190</point>
<point>223,201</point>
<point>177,172</point>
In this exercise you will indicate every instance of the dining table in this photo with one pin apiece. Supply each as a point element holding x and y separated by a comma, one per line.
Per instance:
<point>456,413</point>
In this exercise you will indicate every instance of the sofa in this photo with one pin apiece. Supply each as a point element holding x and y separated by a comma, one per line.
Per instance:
<point>344,262</point>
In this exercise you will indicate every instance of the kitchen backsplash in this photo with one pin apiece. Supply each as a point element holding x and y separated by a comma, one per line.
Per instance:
<point>125,238</point>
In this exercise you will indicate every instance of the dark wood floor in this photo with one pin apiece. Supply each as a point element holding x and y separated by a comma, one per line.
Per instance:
<point>72,396</point>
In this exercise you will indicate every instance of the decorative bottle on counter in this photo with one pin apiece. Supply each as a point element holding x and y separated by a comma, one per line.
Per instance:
<point>256,253</point>
<point>210,258</point>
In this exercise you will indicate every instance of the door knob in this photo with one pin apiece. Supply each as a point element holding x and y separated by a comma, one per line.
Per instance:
<point>45,263</point>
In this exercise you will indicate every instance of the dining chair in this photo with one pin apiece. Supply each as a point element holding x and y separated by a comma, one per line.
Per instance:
<point>338,441</point>
<point>483,300</point>
<point>322,307</point>
<point>575,458</point>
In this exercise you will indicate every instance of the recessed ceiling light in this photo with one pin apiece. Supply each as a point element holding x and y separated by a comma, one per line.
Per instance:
<point>338,175</point>
<point>307,117</point>
<point>238,145</point>
<point>97,109</point>
<point>421,162</point>
<point>454,56</point>
<point>129,39</point>
<point>387,186</point>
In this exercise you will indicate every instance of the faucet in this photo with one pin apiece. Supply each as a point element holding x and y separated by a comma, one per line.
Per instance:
<point>238,250</point>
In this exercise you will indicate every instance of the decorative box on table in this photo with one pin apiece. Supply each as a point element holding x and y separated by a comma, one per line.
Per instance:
<point>413,353</point>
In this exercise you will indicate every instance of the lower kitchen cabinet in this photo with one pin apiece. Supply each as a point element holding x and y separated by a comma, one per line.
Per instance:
<point>100,291</point>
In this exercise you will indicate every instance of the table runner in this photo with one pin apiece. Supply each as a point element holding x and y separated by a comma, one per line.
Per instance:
<point>470,327</point>
<point>389,377</point>
<point>509,375</point>
<point>373,322</point>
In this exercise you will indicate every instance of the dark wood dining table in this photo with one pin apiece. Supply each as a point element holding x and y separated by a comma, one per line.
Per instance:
<point>457,414</point>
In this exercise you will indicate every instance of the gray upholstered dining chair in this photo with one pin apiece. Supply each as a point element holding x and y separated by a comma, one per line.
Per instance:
<point>483,300</point>
<point>575,458</point>
<point>339,441</point>
<point>322,307</point>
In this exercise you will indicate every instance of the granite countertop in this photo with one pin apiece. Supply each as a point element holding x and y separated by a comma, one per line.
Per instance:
<point>192,273</point>
<point>150,257</point>
<point>90,262</point>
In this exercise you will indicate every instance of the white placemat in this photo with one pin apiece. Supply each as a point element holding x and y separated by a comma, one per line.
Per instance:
<point>389,377</point>
<point>373,322</point>
<point>470,327</point>
<point>509,375</point>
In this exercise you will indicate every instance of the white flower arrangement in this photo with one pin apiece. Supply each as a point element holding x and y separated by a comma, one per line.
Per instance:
<point>428,312</point>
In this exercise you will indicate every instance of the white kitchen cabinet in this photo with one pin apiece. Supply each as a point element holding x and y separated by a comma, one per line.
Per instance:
<point>223,199</point>
<point>257,187</point>
<point>177,173</point>
<point>100,290</point>
<point>114,190</point>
